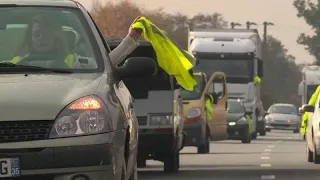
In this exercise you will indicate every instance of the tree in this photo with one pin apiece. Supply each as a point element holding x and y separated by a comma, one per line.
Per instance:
<point>281,77</point>
<point>310,12</point>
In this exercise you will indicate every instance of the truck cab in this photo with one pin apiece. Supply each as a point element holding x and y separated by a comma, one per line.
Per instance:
<point>159,110</point>
<point>237,53</point>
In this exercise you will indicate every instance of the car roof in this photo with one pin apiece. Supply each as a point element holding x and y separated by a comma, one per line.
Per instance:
<point>283,104</point>
<point>56,3</point>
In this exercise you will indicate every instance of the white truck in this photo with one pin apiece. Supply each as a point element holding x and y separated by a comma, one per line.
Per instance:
<point>309,83</point>
<point>237,53</point>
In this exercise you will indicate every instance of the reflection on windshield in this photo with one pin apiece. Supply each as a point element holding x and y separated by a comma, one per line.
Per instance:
<point>235,107</point>
<point>282,109</point>
<point>197,91</point>
<point>235,68</point>
<point>53,38</point>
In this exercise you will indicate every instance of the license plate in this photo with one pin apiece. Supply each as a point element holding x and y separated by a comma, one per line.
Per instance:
<point>9,167</point>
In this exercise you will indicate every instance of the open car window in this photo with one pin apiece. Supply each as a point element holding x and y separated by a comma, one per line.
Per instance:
<point>61,35</point>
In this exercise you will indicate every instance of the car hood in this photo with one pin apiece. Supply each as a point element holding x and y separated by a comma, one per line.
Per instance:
<point>232,117</point>
<point>42,97</point>
<point>283,117</point>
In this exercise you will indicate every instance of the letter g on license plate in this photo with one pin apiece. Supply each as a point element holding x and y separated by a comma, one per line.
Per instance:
<point>9,167</point>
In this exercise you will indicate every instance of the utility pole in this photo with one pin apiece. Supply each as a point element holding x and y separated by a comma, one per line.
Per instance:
<point>265,34</point>
<point>234,24</point>
<point>250,24</point>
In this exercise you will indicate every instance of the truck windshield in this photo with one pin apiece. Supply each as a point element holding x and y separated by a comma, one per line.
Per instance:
<point>197,91</point>
<point>280,109</point>
<point>232,68</point>
<point>310,90</point>
<point>235,107</point>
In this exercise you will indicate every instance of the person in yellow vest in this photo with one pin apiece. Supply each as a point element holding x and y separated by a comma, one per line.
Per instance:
<point>45,36</point>
<point>312,101</point>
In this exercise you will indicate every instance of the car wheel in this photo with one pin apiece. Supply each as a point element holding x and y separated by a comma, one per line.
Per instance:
<point>171,163</point>
<point>246,139</point>
<point>205,148</point>
<point>142,162</point>
<point>296,131</point>
<point>309,155</point>
<point>254,135</point>
<point>134,174</point>
<point>262,133</point>
<point>316,157</point>
<point>268,130</point>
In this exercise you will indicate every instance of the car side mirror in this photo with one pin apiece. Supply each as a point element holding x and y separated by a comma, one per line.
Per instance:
<point>307,108</point>
<point>136,67</point>
<point>248,113</point>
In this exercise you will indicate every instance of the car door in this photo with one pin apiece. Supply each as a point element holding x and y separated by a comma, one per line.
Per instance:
<point>126,102</point>
<point>218,126</point>
<point>313,124</point>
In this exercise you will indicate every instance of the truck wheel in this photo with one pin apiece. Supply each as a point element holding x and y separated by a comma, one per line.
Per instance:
<point>171,162</point>
<point>142,163</point>
<point>205,148</point>
<point>246,139</point>
<point>254,135</point>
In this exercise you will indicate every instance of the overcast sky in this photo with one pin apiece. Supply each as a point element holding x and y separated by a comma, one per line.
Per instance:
<point>281,12</point>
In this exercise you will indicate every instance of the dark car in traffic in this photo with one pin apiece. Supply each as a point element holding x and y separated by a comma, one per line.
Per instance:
<point>283,116</point>
<point>59,121</point>
<point>238,121</point>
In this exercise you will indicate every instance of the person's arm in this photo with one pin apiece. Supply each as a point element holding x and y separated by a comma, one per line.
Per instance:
<point>126,47</point>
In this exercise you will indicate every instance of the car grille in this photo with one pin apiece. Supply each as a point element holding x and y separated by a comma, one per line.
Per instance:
<point>142,120</point>
<point>17,131</point>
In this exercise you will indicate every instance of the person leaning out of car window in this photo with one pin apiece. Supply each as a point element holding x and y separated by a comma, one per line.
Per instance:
<point>44,36</point>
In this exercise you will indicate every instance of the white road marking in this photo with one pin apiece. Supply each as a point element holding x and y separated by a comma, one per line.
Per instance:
<point>265,165</point>
<point>265,157</point>
<point>265,153</point>
<point>271,146</point>
<point>267,150</point>
<point>268,177</point>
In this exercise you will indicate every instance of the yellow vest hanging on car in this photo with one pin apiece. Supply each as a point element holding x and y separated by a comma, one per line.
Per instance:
<point>172,59</point>
<point>312,101</point>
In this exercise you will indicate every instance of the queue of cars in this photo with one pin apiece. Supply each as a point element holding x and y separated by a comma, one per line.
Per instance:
<point>98,120</point>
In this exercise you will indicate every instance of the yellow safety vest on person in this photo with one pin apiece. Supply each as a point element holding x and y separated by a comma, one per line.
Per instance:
<point>256,80</point>
<point>69,60</point>
<point>312,101</point>
<point>249,123</point>
<point>172,59</point>
<point>208,105</point>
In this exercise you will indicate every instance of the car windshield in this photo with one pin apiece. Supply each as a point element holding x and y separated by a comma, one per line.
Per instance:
<point>235,107</point>
<point>279,109</point>
<point>49,38</point>
<point>197,91</point>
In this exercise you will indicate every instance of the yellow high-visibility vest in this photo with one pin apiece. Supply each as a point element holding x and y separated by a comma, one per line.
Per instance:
<point>172,59</point>
<point>312,101</point>
<point>256,80</point>
<point>209,108</point>
<point>249,123</point>
<point>69,60</point>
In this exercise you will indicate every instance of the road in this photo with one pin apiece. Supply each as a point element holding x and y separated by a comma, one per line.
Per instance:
<point>279,155</point>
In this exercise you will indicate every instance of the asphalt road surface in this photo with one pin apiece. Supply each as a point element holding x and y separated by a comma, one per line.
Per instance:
<point>279,155</point>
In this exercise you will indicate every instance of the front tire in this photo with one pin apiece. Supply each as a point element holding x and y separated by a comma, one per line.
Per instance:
<point>246,139</point>
<point>205,148</point>
<point>171,163</point>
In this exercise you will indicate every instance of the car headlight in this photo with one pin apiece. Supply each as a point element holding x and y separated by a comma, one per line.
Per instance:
<point>194,112</point>
<point>87,115</point>
<point>242,120</point>
<point>161,120</point>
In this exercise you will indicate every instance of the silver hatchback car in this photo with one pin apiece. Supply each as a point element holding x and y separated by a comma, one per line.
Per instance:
<point>283,117</point>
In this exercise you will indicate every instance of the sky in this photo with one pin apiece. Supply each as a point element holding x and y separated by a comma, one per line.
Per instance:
<point>281,12</point>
